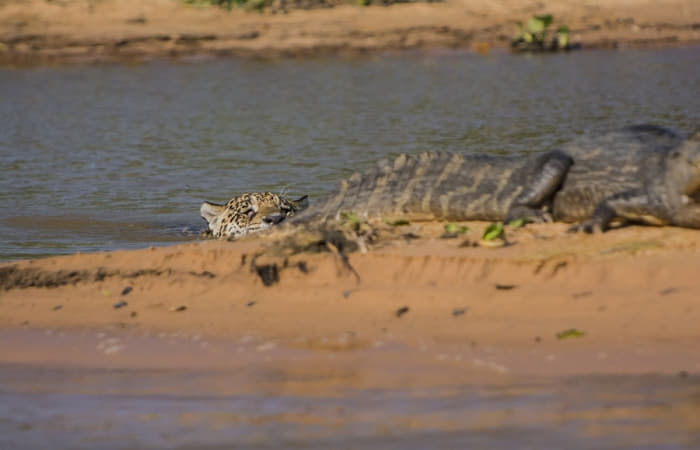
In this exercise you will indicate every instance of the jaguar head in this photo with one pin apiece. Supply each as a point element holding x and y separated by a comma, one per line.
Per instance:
<point>249,213</point>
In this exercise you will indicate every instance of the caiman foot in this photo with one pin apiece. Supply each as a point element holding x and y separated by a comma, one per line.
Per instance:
<point>530,215</point>
<point>589,227</point>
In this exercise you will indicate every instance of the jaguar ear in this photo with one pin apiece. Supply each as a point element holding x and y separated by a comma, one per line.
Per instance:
<point>210,211</point>
<point>301,203</point>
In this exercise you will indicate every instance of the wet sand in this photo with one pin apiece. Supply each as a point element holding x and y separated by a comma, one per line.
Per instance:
<point>633,292</point>
<point>40,32</point>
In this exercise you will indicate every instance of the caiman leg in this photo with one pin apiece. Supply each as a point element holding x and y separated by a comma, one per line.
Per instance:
<point>633,206</point>
<point>688,216</point>
<point>552,172</point>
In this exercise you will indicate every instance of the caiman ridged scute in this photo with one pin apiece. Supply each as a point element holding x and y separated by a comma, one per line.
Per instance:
<point>641,173</point>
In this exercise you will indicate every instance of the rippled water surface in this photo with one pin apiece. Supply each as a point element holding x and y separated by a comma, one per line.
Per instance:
<point>119,156</point>
<point>281,397</point>
<point>579,413</point>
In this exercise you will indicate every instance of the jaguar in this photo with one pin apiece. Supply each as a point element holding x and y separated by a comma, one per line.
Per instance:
<point>248,213</point>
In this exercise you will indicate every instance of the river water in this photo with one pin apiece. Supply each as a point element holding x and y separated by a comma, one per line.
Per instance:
<point>112,390</point>
<point>115,156</point>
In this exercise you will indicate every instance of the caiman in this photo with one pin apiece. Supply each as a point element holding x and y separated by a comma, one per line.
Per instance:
<point>641,173</point>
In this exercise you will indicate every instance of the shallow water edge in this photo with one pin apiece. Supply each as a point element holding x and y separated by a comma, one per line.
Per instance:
<point>192,391</point>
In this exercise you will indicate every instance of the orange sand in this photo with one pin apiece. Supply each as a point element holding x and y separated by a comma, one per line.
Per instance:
<point>36,31</point>
<point>633,291</point>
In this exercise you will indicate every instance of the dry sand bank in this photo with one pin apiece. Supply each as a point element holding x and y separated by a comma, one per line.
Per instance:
<point>634,292</point>
<point>37,31</point>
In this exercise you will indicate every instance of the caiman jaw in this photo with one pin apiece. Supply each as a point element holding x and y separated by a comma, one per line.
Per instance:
<point>694,194</point>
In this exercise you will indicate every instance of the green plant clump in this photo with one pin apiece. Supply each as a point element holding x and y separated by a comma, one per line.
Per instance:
<point>570,333</point>
<point>453,228</point>
<point>350,219</point>
<point>534,36</point>
<point>493,231</point>
<point>517,223</point>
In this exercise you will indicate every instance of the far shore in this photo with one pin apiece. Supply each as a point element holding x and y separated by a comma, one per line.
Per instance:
<point>39,32</point>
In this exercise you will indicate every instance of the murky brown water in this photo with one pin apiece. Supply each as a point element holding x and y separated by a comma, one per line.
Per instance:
<point>115,156</point>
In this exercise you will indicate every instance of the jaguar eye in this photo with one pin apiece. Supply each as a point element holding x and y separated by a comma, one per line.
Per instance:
<point>287,208</point>
<point>250,213</point>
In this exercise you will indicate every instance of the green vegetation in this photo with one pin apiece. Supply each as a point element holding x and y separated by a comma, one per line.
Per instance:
<point>350,220</point>
<point>570,333</point>
<point>453,228</point>
<point>535,36</point>
<point>222,3</point>
<point>493,231</point>
<point>517,223</point>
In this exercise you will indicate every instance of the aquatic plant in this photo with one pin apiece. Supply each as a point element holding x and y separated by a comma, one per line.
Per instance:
<point>534,36</point>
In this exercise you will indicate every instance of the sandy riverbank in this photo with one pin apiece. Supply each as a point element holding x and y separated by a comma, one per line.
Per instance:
<point>40,32</point>
<point>633,292</point>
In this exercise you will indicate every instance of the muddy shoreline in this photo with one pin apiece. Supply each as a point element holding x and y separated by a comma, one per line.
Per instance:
<point>631,293</point>
<point>38,32</point>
